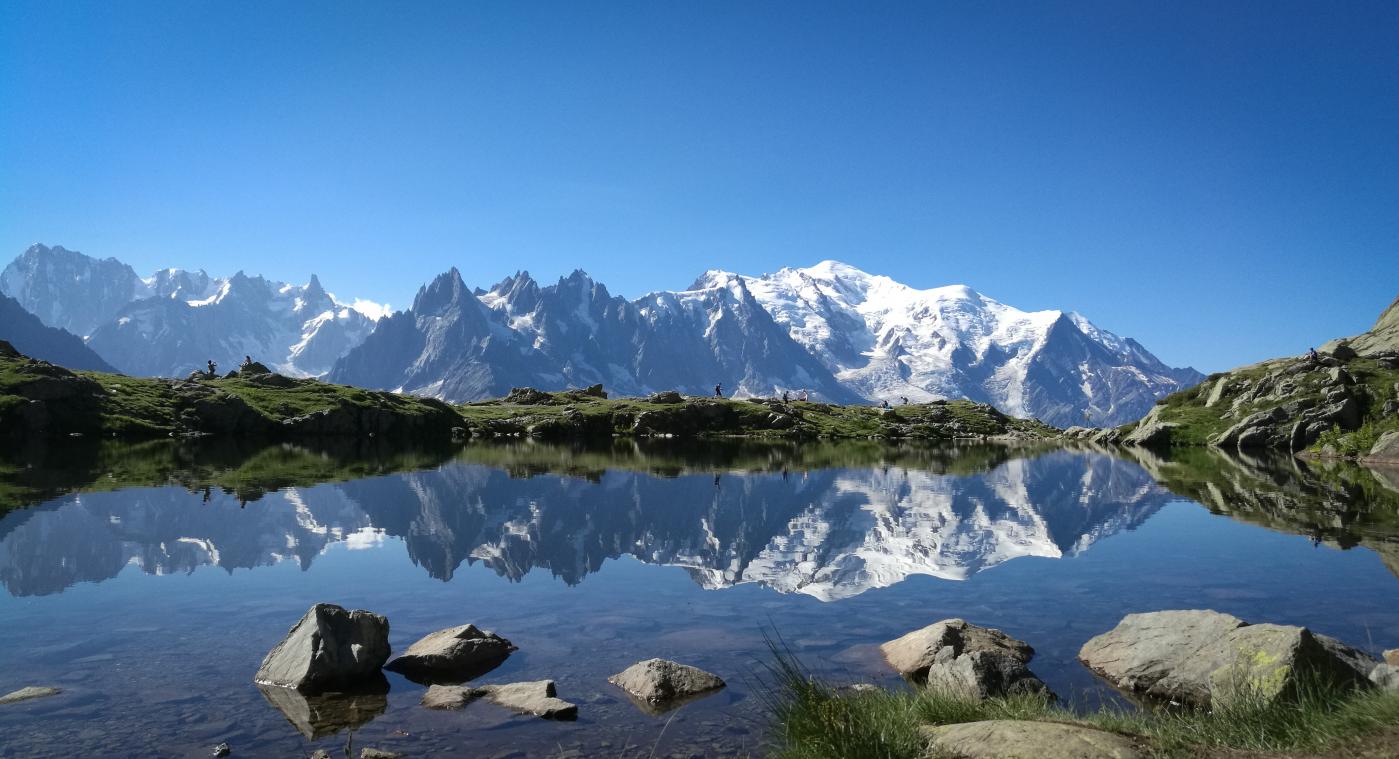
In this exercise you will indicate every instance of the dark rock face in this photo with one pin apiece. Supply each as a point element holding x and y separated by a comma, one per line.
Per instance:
<point>964,658</point>
<point>26,334</point>
<point>329,648</point>
<point>454,655</point>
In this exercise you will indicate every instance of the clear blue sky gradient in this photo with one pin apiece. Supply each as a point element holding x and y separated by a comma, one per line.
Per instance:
<point>1219,180</point>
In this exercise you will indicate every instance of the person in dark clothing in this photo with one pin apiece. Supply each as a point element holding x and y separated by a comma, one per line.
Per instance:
<point>718,391</point>
<point>213,368</point>
<point>786,397</point>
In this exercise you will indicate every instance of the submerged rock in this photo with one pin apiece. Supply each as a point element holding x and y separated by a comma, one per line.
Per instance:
<point>454,655</point>
<point>328,648</point>
<point>29,693</point>
<point>964,658</point>
<point>377,753</point>
<point>1021,739</point>
<point>537,697</point>
<point>659,682</point>
<point>1203,658</point>
<point>221,750</point>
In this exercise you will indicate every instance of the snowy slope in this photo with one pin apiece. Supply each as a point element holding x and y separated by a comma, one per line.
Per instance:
<point>886,340</point>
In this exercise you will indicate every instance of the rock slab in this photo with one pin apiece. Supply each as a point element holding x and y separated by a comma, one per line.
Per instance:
<point>1019,739</point>
<point>1201,658</point>
<point>28,694</point>
<point>537,697</point>
<point>959,657</point>
<point>329,648</point>
<point>450,696</point>
<point>661,681</point>
<point>453,655</point>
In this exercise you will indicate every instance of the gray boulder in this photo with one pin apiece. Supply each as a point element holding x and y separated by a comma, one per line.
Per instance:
<point>1020,739</point>
<point>1204,658</point>
<point>660,681</point>
<point>1386,448</point>
<point>329,648</point>
<point>964,658</point>
<point>538,698</point>
<point>1386,677</point>
<point>454,655</point>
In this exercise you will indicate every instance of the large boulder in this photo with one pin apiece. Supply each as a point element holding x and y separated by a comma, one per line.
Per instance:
<point>1022,739</point>
<point>1205,658</point>
<point>660,682</point>
<point>329,648</point>
<point>454,655</point>
<point>959,657</point>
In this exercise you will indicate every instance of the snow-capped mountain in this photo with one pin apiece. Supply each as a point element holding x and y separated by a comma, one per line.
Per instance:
<point>174,321</point>
<point>459,345</point>
<point>832,330</point>
<point>886,340</point>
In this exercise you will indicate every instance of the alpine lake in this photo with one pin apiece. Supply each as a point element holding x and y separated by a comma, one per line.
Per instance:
<point>147,581</point>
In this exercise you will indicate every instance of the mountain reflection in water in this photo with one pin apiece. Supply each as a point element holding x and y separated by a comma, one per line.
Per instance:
<point>827,520</point>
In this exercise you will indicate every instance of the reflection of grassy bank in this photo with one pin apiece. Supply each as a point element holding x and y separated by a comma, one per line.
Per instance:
<point>815,720</point>
<point>42,471</point>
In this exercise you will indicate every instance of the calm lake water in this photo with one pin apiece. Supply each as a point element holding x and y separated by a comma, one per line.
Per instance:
<point>149,581</point>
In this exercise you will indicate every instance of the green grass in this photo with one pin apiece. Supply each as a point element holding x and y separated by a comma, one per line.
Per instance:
<point>815,720</point>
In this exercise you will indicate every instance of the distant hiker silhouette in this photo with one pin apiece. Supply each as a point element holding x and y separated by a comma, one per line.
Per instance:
<point>213,368</point>
<point>785,398</point>
<point>718,391</point>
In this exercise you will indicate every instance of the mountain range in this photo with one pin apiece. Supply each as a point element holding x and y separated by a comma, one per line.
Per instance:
<point>838,333</point>
<point>174,321</point>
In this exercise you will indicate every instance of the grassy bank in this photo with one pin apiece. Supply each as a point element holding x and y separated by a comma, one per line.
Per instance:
<point>816,720</point>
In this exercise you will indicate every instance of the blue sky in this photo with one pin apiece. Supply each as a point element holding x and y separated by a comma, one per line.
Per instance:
<point>1219,180</point>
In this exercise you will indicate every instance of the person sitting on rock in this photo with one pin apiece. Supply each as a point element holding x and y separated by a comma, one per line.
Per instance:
<point>213,368</point>
<point>884,403</point>
<point>247,361</point>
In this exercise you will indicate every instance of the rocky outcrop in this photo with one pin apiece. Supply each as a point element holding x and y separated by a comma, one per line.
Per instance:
<point>1205,658</point>
<point>328,648</point>
<point>1151,432</point>
<point>1385,449</point>
<point>453,655</point>
<point>963,658</point>
<point>660,682</point>
<point>1020,739</point>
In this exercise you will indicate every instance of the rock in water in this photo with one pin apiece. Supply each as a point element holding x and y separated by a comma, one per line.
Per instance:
<point>1016,739</point>
<point>328,648</point>
<point>660,681</point>
<point>964,658</point>
<point>450,696</point>
<point>538,698</point>
<point>29,693</point>
<point>222,750</point>
<point>377,753</point>
<point>454,655</point>
<point>1203,658</point>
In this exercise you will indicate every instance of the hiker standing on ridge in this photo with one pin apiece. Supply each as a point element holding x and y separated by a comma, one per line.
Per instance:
<point>213,368</point>
<point>718,391</point>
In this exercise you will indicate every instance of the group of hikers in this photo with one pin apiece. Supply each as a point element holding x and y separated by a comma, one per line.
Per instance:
<point>214,365</point>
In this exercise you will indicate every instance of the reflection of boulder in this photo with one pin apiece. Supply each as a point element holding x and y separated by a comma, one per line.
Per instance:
<point>321,716</point>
